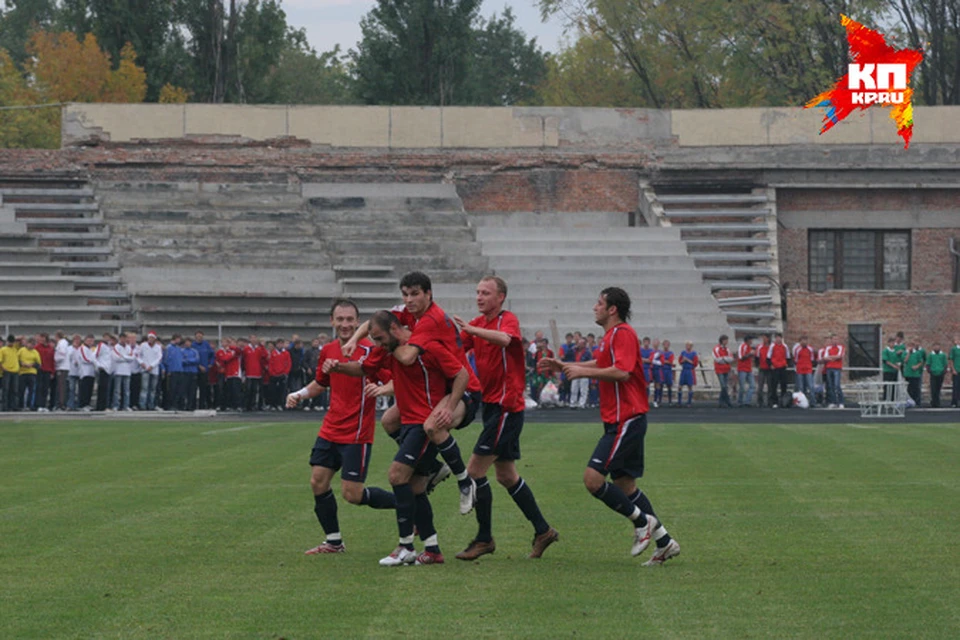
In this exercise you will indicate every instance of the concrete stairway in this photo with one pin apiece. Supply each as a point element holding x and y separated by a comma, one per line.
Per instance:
<point>556,271</point>
<point>732,238</point>
<point>57,270</point>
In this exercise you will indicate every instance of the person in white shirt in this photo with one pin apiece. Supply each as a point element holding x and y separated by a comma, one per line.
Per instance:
<point>61,360</point>
<point>122,360</point>
<point>136,372</point>
<point>105,371</point>
<point>88,371</point>
<point>149,356</point>
<point>73,373</point>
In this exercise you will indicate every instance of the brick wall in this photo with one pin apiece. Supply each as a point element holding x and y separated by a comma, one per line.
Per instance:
<point>551,190</point>
<point>866,200</point>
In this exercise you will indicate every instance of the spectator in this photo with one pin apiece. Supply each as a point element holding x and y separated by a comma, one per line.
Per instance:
<point>150,356</point>
<point>892,364</point>
<point>667,360</point>
<point>804,358</point>
<point>568,353</point>
<point>280,366</point>
<point>214,381</point>
<point>779,357</point>
<point>833,367</point>
<point>104,358</point>
<point>123,360</point>
<point>721,366</point>
<point>535,344</point>
<point>689,360</point>
<point>954,360</point>
<point>29,365</point>
<point>254,361</point>
<point>646,357</point>
<point>136,373</point>
<point>913,371</point>
<point>747,383</point>
<point>937,366</point>
<point>61,358</point>
<point>48,370</point>
<point>10,365</point>
<point>580,388</point>
<point>311,356</point>
<point>543,351</point>
<point>191,367</point>
<point>295,377</point>
<point>74,373</point>
<point>205,352</point>
<point>763,370</point>
<point>593,396</point>
<point>88,372</point>
<point>173,367</point>
<point>228,360</point>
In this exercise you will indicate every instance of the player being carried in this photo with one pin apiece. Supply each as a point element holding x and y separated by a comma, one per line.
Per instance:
<point>623,409</point>
<point>425,409</point>
<point>345,441</point>
<point>428,323</point>
<point>497,346</point>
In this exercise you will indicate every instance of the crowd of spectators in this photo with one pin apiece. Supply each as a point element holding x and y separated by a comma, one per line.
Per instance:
<point>124,373</point>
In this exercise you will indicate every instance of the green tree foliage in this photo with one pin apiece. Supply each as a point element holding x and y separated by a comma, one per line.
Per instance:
<point>934,27</point>
<point>303,77</point>
<point>589,74</point>
<point>440,52</point>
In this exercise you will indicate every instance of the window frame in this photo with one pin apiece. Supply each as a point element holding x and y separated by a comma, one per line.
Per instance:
<point>838,266</point>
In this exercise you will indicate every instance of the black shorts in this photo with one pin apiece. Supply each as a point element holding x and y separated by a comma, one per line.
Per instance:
<point>353,458</point>
<point>620,450</point>
<point>471,404</point>
<point>416,450</point>
<point>501,433</point>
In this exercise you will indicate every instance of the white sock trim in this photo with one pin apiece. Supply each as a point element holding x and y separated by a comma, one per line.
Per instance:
<point>431,541</point>
<point>659,533</point>
<point>407,540</point>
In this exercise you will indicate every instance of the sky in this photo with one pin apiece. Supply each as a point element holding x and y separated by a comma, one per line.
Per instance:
<point>330,22</point>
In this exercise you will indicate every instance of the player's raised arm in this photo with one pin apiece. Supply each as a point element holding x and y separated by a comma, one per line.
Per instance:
<point>347,368</point>
<point>499,338</point>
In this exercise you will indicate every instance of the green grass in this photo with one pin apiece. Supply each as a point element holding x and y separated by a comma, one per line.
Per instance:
<point>190,530</point>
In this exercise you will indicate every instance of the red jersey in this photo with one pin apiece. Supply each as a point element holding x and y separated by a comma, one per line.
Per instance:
<point>834,350</point>
<point>436,325</point>
<point>720,352</point>
<point>229,362</point>
<point>763,356</point>
<point>254,360</point>
<point>620,401</point>
<point>352,415</point>
<point>47,364</point>
<point>502,370</point>
<point>745,357</point>
<point>803,358</point>
<point>279,363</point>
<point>419,387</point>
<point>778,355</point>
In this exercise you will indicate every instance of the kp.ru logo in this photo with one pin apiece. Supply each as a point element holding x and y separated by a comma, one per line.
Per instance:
<point>878,75</point>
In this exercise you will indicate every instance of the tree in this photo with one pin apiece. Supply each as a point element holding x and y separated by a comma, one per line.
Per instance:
<point>590,74</point>
<point>20,20</point>
<point>934,27</point>
<point>505,67</point>
<point>27,128</point>
<point>303,77</point>
<point>66,70</point>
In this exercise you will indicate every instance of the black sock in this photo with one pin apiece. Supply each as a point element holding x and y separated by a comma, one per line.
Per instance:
<point>325,506</point>
<point>406,509</point>
<point>424,516</point>
<point>643,503</point>
<point>614,497</point>
<point>377,498</point>
<point>484,507</point>
<point>450,453</point>
<point>522,494</point>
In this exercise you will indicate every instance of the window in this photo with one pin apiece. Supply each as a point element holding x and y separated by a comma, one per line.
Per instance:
<point>863,349</point>
<point>859,260</point>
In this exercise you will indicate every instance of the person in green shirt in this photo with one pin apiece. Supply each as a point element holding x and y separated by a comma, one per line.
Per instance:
<point>892,363</point>
<point>953,360</point>
<point>913,371</point>
<point>937,366</point>
<point>29,365</point>
<point>10,363</point>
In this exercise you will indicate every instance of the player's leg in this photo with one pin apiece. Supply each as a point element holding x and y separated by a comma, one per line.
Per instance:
<point>356,462</point>
<point>423,517</point>
<point>414,445</point>
<point>324,461</point>
<point>450,450</point>
<point>482,543</point>
<point>390,421</point>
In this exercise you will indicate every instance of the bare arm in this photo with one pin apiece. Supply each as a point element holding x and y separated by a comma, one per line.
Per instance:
<point>406,354</point>
<point>312,390</point>
<point>347,368</point>
<point>499,338</point>
<point>607,374</point>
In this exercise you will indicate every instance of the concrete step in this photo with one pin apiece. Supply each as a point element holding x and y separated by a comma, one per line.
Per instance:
<point>601,277</point>
<point>235,303</point>
<point>413,204</point>
<point>702,309</point>
<point>68,317</point>
<point>735,271</point>
<point>16,192</point>
<point>744,314</point>
<point>24,254</point>
<point>27,284</point>
<point>82,327</point>
<point>98,282</point>
<point>730,256</point>
<point>527,221</point>
<point>575,248</point>
<point>668,322</point>
<point>378,189</point>
<point>385,246</point>
<point>61,252</point>
<point>363,271</point>
<point>21,240</point>
<point>726,242</point>
<point>163,213</point>
<point>74,236</point>
<point>54,207</point>
<point>376,219</point>
<point>601,235</point>
<point>575,261</point>
<point>712,198</point>
<point>744,285</point>
<point>369,285</point>
<point>29,269</point>
<point>406,233</point>
<point>90,265</point>
<point>753,328</point>
<point>551,291</point>
<point>723,227</point>
<point>744,301</point>
<point>718,213</point>
<point>38,299</point>
<point>55,223</point>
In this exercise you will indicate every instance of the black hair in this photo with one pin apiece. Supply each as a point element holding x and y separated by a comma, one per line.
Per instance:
<point>617,297</point>
<point>416,279</point>
<point>344,302</point>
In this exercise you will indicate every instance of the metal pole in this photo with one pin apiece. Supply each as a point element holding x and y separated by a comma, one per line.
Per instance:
<point>219,333</point>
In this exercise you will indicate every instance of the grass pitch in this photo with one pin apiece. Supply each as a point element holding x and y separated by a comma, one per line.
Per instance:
<point>197,530</point>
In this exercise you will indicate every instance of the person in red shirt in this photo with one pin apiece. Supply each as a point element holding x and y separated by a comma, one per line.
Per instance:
<point>494,336</point>
<point>804,358</point>
<point>420,390</point>
<point>745,377</point>
<point>228,358</point>
<point>779,356</point>
<point>255,360</point>
<point>721,366</point>
<point>278,367</point>
<point>429,323</point>
<point>345,440</point>
<point>48,370</point>
<point>623,409</point>
<point>763,370</point>
<point>833,368</point>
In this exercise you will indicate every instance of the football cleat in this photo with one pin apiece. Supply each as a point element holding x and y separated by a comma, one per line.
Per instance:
<point>429,557</point>
<point>475,549</point>
<point>643,535</point>
<point>326,547</point>
<point>400,556</point>
<point>468,496</point>
<point>660,556</point>
<point>438,476</point>
<point>542,541</point>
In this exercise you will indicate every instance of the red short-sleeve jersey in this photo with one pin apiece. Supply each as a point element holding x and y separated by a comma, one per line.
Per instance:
<point>420,386</point>
<point>778,355</point>
<point>803,358</point>
<point>501,370</point>
<point>720,352</point>
<point>352,415</point>
<point>834,350</point>
<point>436,326</point>
<point>620,401</point>
<point>745,357</point>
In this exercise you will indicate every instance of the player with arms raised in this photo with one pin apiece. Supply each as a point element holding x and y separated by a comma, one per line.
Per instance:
<point>623,409</point>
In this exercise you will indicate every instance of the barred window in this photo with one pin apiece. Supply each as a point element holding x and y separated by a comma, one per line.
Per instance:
<point>859,260</point>
<point>863,349</point>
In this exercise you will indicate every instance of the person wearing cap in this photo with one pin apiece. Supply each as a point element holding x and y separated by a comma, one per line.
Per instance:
<point>150,356</point>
